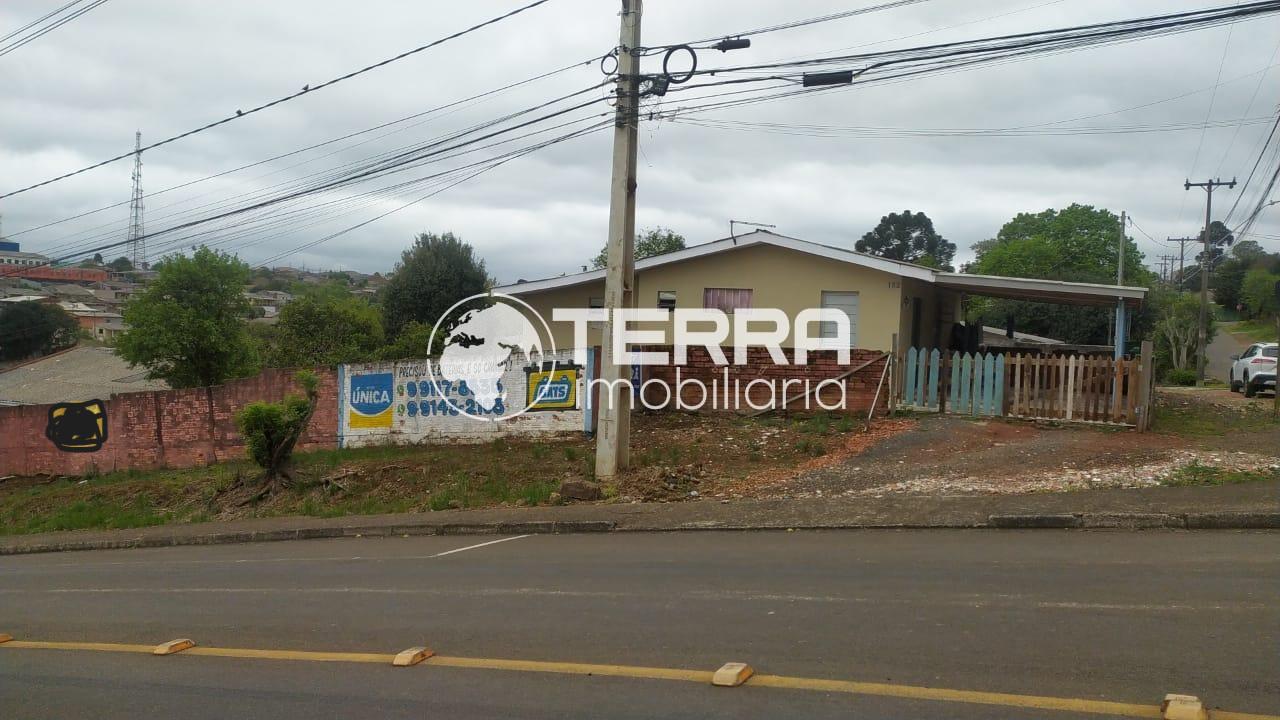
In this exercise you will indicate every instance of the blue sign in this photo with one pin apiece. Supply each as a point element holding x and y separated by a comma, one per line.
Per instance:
<point>370,400</point>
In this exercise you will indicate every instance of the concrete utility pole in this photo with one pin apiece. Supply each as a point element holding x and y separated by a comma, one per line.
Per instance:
<point>1120,308</point>
<point>1204,269</point>
<point>613,432</point>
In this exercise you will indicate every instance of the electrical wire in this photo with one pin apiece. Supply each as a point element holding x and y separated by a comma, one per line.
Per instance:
<point>331,141</point>
<point>307,89</point>
<point>39,20</point>
<point>398,162</point>
<point>6,49</point>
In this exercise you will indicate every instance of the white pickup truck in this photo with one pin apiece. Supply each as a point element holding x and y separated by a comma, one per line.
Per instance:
<point>1254,369</point>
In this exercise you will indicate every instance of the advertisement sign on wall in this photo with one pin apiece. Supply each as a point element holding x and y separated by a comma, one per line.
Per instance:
<point>369,400</point>
<point>552,389</point>
<point>399,402</point>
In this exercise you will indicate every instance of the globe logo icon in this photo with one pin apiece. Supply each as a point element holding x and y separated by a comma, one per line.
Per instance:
<point>480,336</point>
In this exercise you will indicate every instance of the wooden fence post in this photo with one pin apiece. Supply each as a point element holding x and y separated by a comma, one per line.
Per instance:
<point>1145,383</point>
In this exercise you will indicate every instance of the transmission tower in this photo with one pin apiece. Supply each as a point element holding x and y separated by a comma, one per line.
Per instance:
<point>137,245</point>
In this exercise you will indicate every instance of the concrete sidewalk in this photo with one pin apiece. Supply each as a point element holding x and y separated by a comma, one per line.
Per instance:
<point>1244,506</point>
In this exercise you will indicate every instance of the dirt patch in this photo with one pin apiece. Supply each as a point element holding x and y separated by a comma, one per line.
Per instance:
<point>1201,428</point>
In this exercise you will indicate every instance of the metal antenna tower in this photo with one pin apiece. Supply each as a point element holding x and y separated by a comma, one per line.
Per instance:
<point>137,246</point>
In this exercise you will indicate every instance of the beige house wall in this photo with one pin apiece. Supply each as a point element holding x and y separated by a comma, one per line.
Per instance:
<point>778,277</point>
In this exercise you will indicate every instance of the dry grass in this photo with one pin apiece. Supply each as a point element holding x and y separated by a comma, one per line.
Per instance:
<point>674,456</point>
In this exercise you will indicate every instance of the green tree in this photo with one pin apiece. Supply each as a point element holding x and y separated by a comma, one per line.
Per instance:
<point>188,326</point>
<point>121,264</point>
<point>413,342</point>
<point>33,328</point>
<point>271,431</point>
<point>1227,279</point>
<point>432,275</point>
<point>1079,244</point>
<point>1258,292</point>
<point>325,330</point>
<point>651,242</point>
<point>1176,317</point>
<point>909,237</point>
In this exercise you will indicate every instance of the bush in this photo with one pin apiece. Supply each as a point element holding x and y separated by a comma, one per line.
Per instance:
<point>1184,376</point>
<point>271,430</point>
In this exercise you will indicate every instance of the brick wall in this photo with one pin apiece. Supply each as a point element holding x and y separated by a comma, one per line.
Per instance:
<point>165,428</point>
<point>859,388</point>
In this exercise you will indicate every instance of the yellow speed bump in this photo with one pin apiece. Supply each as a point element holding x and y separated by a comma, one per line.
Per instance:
<point>732,674</point>
<point>412,656</point>
<point>1182,707</point>
<point>173,646</point>
<point>5,637</point>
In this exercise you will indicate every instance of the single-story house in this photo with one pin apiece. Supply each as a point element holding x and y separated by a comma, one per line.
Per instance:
<point>882,297</point>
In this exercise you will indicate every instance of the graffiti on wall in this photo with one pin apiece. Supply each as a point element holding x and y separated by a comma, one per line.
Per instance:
<point>77,426</point>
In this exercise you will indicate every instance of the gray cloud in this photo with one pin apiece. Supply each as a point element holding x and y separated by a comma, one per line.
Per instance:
<point>76,95</point>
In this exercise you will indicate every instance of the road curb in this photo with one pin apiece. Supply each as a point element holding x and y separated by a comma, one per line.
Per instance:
<point>1140,521</point>
<point>231,538</point>
<point>1029,521</point>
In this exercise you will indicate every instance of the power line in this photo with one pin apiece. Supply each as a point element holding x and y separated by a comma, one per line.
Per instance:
<point>348,136</point>
<point>306,89</point>
<point>397,162</point>
<point>39,20</point>
<point>522,153</point>
<point>811,21</point>
<point>5,50</point>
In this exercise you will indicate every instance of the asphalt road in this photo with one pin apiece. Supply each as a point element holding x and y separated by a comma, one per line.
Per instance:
<point>1218,355</point>
<point>1101,616</point>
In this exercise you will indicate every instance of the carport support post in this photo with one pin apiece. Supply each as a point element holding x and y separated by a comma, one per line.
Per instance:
<point>1120,328</point>
<point>893,375</point>
<point>613,436</point>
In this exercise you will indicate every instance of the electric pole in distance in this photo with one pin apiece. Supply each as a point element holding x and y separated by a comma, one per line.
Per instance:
<point>613,434</point>
<point>1204,269</point>
<point>1182,257</point>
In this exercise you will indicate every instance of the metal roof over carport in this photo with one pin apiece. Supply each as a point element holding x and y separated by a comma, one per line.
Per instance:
<point>1053,291</point>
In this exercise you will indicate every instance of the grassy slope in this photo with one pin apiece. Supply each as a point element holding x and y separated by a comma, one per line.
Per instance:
<point>669,449</point>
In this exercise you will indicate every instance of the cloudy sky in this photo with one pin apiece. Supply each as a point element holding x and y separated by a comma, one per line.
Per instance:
<point>76,95</point>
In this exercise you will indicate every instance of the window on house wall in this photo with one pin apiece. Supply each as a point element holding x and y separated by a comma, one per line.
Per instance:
<point>726,299</point>
<point>666,299</point>
<point>595,302</point>
<point>846,302</point>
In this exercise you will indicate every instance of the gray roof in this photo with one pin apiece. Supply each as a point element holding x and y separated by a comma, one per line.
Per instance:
<point>81,373</point>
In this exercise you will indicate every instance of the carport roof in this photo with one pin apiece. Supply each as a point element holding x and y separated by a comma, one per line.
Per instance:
<point>1054,291</point>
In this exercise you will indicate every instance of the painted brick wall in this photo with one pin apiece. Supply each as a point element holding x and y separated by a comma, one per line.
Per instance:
<point>859,388</point>
<point>166,428</point>
<point>403,426</point>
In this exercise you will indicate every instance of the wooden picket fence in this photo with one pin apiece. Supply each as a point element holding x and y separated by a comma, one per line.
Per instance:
<point>1074,388</point>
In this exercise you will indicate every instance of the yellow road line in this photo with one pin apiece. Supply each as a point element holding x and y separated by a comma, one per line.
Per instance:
<point>309,655</point>
<point>95,647</point>
<point>916,692</point>
<point>567,668</point>
<point>911,692</point>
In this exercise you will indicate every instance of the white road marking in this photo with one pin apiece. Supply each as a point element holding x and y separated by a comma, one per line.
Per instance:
<point>480,545</point>
<point>45,569</point>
